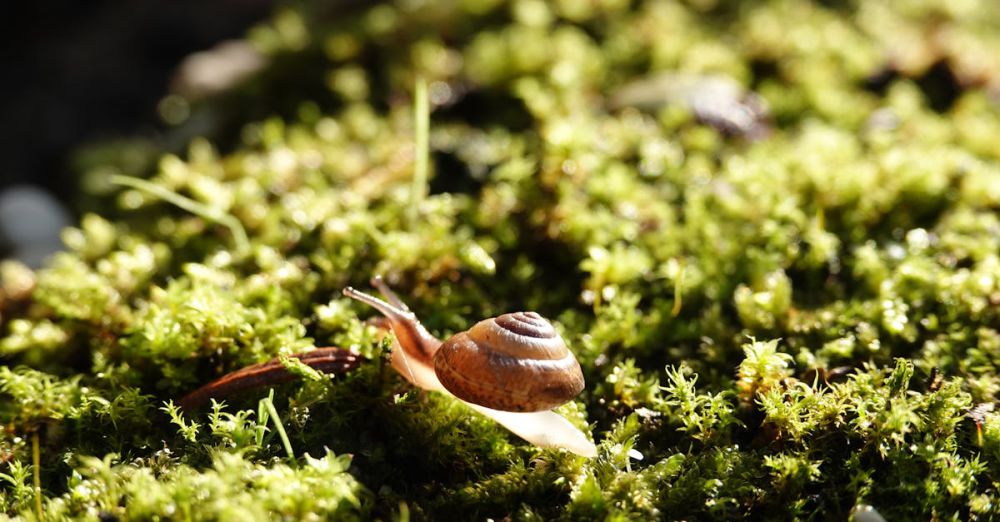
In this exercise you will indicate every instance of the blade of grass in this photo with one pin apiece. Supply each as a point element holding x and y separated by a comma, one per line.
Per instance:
<point>421,120</point>
<point>269,404</point>
<point>36,460</point>
<point>262,417</point>
<point>678,292</point>
<point>199,209</point>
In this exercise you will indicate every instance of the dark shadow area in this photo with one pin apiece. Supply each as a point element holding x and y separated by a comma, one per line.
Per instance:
<point>78,71</point>
<point>939,84</point>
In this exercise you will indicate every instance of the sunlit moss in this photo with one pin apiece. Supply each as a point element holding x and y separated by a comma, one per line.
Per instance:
<point>855,236</point>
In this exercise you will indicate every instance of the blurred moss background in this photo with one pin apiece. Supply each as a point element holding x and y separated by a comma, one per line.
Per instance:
<point>769,231</point>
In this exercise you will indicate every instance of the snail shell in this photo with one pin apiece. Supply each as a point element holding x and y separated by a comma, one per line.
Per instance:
<point>514,362</point>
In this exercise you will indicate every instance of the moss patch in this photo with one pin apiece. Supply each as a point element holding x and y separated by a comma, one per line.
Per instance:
<point>787,316</point>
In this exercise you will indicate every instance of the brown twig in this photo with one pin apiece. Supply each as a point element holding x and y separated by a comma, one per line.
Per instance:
<point>273,372</point>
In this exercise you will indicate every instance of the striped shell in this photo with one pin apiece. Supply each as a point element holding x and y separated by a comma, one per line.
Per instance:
<point>515,362</point>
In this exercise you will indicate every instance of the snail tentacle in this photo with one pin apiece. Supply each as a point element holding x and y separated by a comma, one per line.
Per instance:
<point>409,332</point>
<point>414,347</point>
<point>390,296</point>
<point>392,312</point>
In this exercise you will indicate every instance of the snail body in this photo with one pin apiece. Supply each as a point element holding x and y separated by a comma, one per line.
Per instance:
<point>513,368</point>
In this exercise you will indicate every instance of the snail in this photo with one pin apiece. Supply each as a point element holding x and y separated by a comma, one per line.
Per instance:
<point>513,368</point>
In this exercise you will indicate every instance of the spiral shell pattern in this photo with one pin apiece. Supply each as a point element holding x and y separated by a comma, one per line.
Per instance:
<point>514,362</point>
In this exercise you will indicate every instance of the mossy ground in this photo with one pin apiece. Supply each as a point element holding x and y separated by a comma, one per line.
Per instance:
<point>785,326</point>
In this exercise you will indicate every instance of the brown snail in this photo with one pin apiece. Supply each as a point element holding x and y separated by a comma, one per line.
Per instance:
<point>513,368</point>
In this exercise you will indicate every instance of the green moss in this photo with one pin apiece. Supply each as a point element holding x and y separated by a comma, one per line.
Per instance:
<point>232,488</point>
<point>854,232</point>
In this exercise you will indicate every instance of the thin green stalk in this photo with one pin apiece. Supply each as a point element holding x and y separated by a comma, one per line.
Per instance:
<point>678,292</point>
<point>36,460</point>
<point>269,404</point>
<point>404,512</point>
<point>199,209</point>
<point>422,123</point>
<point>262,417</point>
